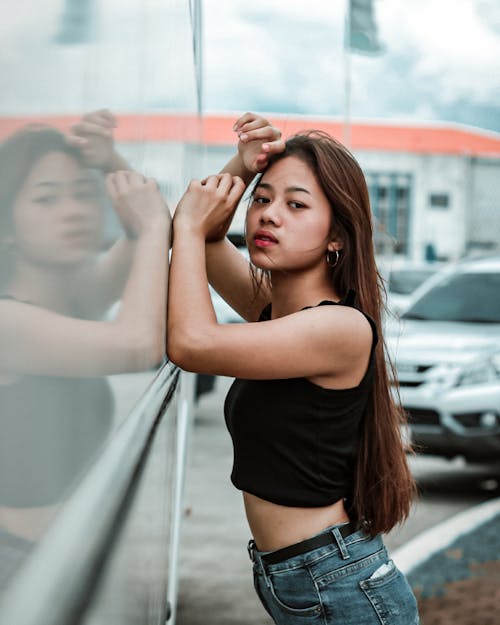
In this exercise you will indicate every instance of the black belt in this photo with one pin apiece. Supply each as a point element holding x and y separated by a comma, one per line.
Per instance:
<point>326,538</point>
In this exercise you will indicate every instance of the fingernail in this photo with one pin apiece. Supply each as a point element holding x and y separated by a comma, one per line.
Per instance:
<point>243,137</point>
<point>265,147</point>
<point>235,126</point>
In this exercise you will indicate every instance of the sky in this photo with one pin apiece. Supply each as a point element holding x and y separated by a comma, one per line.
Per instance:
<point>441,59</point>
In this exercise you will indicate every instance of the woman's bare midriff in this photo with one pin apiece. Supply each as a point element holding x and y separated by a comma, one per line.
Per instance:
<point>274,526</point>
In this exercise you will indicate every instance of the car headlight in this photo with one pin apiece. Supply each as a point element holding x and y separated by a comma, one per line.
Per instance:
<point>480,372</point>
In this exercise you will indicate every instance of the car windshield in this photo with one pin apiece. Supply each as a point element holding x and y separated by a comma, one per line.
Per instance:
<point>405,281</point>
<point>472,297</point>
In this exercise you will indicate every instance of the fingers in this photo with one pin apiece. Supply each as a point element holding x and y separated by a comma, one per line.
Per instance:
<point>83,128</point>
<point>250,121</point>
<point>103,117</point>
<point>225,183</point>
<point>245,119</point>
<point>236,191</point>
<point>215,182</point>
<point>250,127</point>
<point>211,182</point>
<point>224,186</point>
<point>120,182</point>
<point>98,123</point>
<point>110,186</point>
<point>273,147</point>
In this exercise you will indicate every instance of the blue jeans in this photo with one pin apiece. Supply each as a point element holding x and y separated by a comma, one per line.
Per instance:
<point>349,582</point>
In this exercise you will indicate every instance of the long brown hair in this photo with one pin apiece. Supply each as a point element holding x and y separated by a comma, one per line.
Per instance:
<point>384,487</point>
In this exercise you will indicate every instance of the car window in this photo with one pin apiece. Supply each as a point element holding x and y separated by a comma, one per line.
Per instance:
<point>473,297</point>
<point>405,281</point>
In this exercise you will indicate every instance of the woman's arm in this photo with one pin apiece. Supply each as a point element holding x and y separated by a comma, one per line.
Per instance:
<point>100,282</point>
<point>228,271</point>
<point>324,341</point>
<point>38,341</point>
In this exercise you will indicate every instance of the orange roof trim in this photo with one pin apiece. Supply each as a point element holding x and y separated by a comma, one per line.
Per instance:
<point>217,130</point>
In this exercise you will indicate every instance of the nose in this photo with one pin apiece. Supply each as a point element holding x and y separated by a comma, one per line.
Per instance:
<point>77,210</point>
<point>271,214</point>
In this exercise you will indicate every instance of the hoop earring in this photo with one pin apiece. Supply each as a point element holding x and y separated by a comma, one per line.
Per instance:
<point>332,262</point>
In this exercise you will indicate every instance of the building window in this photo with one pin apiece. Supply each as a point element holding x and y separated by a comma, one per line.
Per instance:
<point>390,197</point>
<point>439,200</point>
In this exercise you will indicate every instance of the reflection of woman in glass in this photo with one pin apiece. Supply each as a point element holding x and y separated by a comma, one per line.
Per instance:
<point>318,451</point>
<point>56,284</point>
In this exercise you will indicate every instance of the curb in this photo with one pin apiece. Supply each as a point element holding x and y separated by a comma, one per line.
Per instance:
<point>437,538</point>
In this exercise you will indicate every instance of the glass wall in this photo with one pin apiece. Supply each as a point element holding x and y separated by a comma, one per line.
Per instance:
<point>97,97</point>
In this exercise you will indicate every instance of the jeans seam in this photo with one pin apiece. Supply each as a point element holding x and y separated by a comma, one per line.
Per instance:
<point>318,592</point>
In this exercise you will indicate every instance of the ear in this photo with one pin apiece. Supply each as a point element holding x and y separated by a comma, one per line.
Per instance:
<point>335,245</point>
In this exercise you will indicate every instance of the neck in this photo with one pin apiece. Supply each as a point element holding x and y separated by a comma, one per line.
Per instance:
<point>44,286</point>
<point>293,291</point>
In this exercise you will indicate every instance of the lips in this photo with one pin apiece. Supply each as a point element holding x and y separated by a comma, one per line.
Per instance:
<point>79,236</point>
<point>264,238</point>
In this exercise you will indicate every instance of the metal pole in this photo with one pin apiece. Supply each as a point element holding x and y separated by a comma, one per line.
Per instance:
<point>198,50</point>
<point>185,410</point>
<point>346,128</point>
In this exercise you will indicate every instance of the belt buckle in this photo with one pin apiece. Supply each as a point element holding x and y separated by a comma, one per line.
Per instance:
<point>250,548</point>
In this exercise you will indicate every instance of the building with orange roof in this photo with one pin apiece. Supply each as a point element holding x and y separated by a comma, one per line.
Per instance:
<point>434,188</point>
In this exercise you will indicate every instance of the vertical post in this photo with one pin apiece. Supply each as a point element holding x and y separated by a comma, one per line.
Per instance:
<point>346,128</point>
<point>198,50</point>
<point>185,408</point>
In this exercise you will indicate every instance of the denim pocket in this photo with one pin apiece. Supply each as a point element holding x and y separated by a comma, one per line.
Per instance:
<point>295,592</point>
<point>391,596</point>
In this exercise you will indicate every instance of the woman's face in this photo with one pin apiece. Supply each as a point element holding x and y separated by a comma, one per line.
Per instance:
<point>57,215</point>
<point>289,220</point>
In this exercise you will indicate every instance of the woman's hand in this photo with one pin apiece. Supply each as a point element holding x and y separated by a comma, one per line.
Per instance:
<point>208,205</point>
<point>137,201</point>
<point>93,136</point>
<point>258,139</point>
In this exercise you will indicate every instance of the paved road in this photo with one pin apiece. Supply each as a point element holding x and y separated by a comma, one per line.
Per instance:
<point>216,586</point>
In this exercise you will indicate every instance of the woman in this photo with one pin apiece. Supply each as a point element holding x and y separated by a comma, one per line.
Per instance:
<point>318,452</point>
<point>57,282</point>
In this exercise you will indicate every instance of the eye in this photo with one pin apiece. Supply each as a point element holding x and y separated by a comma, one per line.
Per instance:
<point>294,204</point>
<point>260,199</point>
<point>45,200</point>
<point>86,196</point>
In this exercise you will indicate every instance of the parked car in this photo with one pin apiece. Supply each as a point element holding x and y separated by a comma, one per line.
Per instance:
<point>403,280</point>
<point>446,351</point>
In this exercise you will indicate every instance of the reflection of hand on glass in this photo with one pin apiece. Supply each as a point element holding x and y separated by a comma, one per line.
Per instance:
<point>56,283</point>
<point>93,136</point>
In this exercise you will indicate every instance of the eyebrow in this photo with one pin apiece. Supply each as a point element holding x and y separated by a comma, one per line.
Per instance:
<point>266,185</point>
<point>53,183</point>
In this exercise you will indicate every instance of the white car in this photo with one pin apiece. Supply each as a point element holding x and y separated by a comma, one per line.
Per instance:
<point>446,349</point>
<point>404,280</point>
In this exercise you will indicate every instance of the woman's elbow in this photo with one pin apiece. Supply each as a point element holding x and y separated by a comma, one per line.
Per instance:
<point>146,352</point>
<point>184,351</point>
<point>178,354</point>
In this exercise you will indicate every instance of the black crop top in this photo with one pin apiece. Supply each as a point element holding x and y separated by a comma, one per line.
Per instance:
<point>295,443</point>
<point>50,428</point>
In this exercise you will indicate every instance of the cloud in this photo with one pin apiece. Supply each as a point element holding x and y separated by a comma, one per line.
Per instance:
<point>441,60</point>
<point>439,55</point>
